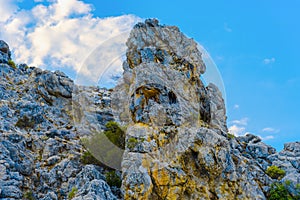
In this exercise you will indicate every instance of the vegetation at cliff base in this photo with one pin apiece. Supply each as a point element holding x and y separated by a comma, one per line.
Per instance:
<point>104,147</point>
<point>279,191</point>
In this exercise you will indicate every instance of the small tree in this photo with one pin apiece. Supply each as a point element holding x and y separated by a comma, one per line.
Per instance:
<point>115,134</point>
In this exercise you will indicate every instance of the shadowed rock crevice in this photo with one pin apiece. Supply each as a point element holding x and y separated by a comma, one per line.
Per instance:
<point>150,98</point>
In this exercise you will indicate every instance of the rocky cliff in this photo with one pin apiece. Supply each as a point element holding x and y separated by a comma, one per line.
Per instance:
<point>177,144</point>
<point>40,147</point>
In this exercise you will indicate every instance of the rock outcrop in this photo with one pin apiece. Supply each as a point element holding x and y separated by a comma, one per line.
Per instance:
<point>177,142</point>
<point>4,52</point>
<point>40,147</point>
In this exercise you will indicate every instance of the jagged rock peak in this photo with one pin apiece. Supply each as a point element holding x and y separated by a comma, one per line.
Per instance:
<point>5,54</point>
<point>148,22</point>
<point>152,42</point>
<point>163,60</point>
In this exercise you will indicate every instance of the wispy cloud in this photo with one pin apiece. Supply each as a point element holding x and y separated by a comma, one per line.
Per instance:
<point>270,130</point>
<point>268,61</point>
<point>268,137</point>
<point>239,128</point>
<point>59,34</point>
<point>242,122</point>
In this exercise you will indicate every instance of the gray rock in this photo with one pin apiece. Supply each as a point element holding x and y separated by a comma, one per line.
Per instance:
<point>217,108</point>
<point>4,52</point>
<point>91,185</point>
<point>249,138</point>
<point>50,196</point>
<point>42,153</point>
<point>55,84</point>
<point>259,150</point>
<point>292,147</point>
<point>10,192</point>
<point>177,145</point>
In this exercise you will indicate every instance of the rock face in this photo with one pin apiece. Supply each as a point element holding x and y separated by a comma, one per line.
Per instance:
<point>177,143</point>
<point>4,52</point>
<point>40,147</point>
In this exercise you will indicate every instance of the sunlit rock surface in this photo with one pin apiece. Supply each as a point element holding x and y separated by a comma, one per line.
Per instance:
<point>177,142</point>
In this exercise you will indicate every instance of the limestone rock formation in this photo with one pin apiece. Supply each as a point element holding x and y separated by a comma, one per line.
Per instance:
<point>177,143</point>
<point>40,147</point>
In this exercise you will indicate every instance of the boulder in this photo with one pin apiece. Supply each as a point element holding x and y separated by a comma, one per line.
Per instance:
<point>5,54</point>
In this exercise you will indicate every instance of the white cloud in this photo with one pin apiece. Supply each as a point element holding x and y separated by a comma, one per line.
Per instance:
<point>270,130</point>
<point>268,137</point>
<point>237,130</point>
<point>236,106</point>
<point>60,34</point>
<point>242,122</point>
<point>267,61</point>
<point>238,127</point>
<point>6,9</point>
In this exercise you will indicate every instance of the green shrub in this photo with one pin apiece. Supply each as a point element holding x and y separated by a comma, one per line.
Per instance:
<point>275,172</point>
<point>104,151</point>
<point>12,64</point>
<point>288,182</point>
<point>87,158</point>
<point>113,179</point>
<point>72,193</point>
<point>298,191</point>
<point>25,123</point>
<point>230,136</point>
<point>132,142</point>
<point>115,134</point>
<point>29,195</point>
<point>279,191</point>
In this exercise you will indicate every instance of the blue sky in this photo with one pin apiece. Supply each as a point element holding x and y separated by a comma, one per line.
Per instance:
<point>255,45</point>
